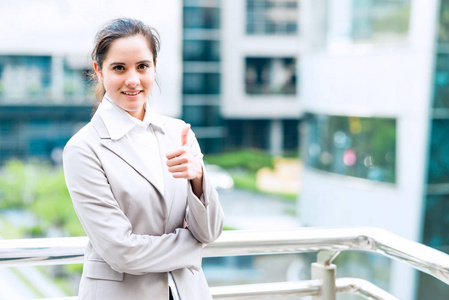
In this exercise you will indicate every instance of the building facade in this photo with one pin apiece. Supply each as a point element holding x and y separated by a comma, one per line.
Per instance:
<point>230,68</point>
<point>374,82</point>
<point>261,47</point>
<point>201,84</point>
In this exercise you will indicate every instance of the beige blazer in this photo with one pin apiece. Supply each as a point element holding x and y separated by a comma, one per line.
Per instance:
<point>135,231</point>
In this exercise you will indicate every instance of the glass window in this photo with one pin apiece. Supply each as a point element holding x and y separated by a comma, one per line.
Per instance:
<point>435,235</point>
<point>77,86</point>
<point>291,134</point>
<point>438,170</point>
<point>201,18</point>
<point>268,75</point>
<point>378,20</point>
<point>352,146</point>
<point>22,77</point>
<point>441,84</point>
<point>201,83</point>
<point>211,145</point>
<point>363,21</point>
<point>248,133</point>
<point>29,80</point>
<point>38,131</point>
<point>202,115</point>
<point>201,50</point>
<point>436,225</point>
<point>443,33</point>
<point>201,2</point>
<point>271,16</point>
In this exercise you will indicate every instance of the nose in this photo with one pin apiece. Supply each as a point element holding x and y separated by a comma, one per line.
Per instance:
<point>132,79</point>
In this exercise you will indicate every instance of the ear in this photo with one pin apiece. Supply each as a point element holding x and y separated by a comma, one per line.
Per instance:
<point>98,71</point>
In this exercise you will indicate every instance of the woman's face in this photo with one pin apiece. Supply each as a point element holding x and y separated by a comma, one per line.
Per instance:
<point>128,74</point>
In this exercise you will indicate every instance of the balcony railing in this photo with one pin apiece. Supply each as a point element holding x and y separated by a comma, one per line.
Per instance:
<point>328,242</point>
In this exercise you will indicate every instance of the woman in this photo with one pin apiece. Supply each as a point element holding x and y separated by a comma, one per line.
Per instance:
<point>137,182</point>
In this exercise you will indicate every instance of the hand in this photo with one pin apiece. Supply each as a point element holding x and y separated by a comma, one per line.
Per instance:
<point>181,162</point>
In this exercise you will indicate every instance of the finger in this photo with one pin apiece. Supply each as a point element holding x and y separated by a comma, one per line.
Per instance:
<point>180,160</point>
<point>184,133</point>
<point>175,153</point>
<point>176,169</point>
<point>184,175</point>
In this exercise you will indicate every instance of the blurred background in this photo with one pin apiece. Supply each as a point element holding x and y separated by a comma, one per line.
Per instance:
<point>309,113</point>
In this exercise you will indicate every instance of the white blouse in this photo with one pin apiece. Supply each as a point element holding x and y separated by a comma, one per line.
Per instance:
<point>140,135</point>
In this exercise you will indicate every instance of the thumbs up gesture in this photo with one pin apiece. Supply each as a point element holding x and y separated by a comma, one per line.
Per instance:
<point>182,164</point>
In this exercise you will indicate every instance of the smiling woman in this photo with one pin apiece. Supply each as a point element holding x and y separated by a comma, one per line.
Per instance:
<point>128,74</point>
<point>125,56</point>
<point>137,182</point>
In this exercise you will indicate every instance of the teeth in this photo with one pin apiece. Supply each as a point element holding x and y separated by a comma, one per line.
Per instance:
<point>131,94</point>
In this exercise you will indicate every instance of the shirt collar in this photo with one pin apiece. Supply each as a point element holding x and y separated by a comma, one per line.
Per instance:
<point>118,122</point>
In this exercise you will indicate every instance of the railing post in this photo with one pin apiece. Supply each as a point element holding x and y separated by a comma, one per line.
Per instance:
<point>326,272</point>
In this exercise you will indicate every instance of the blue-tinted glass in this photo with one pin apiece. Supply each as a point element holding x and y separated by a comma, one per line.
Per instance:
<point>291,134</point>
<point>201,50</point>
<point>436,224</point>
<point>443,33</point>
<point>441,82</point>
<point>201,83</point>
<point>438,171</point>
<point>27,131</point>
<point>211,145</point>
<point>248,133</point>
<point>202,115</point>
<point>201,17</point>
<point>436,235</point>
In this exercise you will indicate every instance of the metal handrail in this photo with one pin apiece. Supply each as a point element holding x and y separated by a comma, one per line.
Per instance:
<point>290,289</point>
<point>327,241</point>
<point>70,250</point>
<point>299,289</point>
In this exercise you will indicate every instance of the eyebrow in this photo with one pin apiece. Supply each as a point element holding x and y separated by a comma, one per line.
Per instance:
<point>122,64</point>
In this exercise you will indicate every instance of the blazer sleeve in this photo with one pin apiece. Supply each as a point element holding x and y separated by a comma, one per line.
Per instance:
<point>204,215</point>
<point>110,231</point>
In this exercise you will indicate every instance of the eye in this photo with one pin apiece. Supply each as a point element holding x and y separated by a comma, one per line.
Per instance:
<point>143,66</point>
<point>118,68</point>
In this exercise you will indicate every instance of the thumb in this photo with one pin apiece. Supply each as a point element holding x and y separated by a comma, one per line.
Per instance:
<point>184,133</point>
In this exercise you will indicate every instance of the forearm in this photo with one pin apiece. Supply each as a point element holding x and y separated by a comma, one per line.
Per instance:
<point>204,214</point>
<point>197,186</point>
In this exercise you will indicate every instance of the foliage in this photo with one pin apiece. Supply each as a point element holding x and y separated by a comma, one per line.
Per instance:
<point>243,165</point>
<point>245,180</point>
<point>247,159</point>
<point>16,184</point>
<point>40,188</point>
<point>52,203</point>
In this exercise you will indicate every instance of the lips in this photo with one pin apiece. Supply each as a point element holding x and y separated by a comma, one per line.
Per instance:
<point>131,93</point>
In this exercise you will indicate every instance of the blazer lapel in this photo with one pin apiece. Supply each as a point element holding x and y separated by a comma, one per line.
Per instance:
<point>166,144</point>
<point>122,149</point>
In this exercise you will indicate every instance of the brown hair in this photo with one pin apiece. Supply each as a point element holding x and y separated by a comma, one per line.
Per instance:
<point>112,31</point>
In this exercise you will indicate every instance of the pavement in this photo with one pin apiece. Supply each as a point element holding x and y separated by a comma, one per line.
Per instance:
<point>246,210</point>
<point>15,284</point>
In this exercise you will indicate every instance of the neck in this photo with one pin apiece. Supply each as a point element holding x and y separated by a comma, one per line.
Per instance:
<point>140,114</point>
